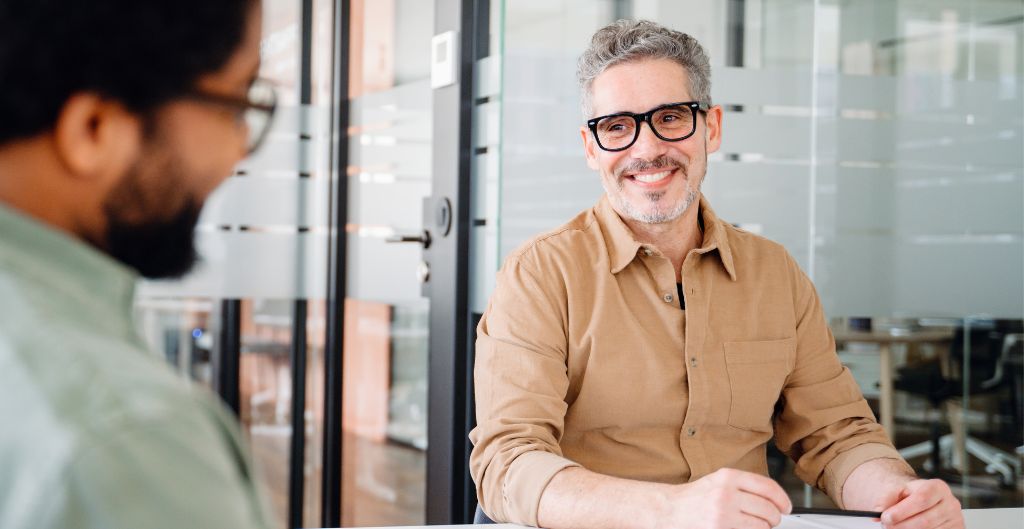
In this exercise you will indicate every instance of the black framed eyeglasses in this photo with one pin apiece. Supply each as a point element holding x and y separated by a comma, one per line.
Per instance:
<point>255,110</point>
<point>670,122</point>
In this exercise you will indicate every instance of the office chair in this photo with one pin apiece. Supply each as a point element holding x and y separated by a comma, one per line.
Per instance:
<point>481,518</point>
<point>989,373</point>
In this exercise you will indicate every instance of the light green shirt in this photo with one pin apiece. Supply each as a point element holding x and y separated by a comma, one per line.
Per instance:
<point>95,430</point>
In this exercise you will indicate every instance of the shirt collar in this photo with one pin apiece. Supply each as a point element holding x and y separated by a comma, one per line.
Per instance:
<point>623,246</point>
<point>51,260</point>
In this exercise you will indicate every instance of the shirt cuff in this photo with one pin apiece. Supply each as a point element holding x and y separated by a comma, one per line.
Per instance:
<point>843,464</point>
<point>525,481</point>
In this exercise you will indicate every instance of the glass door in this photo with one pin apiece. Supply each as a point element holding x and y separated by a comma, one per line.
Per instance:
<point>385,346</point>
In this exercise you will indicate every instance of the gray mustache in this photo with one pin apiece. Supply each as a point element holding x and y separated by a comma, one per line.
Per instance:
<point>661,162</point>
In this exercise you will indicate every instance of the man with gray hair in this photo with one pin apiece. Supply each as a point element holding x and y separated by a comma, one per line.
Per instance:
<point>633,363</point>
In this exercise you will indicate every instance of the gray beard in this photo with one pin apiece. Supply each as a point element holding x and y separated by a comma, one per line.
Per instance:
<point>658,216</point>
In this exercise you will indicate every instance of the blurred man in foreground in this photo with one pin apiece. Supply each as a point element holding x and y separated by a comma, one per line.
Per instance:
<point>117,120</point>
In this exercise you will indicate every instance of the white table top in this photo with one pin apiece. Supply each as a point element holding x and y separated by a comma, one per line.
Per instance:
<point>994,518</point>
<point>975,518</point>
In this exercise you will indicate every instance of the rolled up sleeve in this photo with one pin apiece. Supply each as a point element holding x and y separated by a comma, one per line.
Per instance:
<point>824,425</point>
<point>521,381</point>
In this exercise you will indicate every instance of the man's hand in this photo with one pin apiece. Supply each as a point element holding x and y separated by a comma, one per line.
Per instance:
<point>888,485</point>
<point>577,498</point>
<point>924,504</point>
<point>725,498</point>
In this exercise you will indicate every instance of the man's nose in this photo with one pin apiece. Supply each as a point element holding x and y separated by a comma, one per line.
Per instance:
<point>648,145</point>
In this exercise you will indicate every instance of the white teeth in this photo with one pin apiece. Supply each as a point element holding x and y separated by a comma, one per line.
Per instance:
<point>651,178</point>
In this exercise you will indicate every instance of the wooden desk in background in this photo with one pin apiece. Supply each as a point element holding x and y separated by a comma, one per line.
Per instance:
<point>885,339</point>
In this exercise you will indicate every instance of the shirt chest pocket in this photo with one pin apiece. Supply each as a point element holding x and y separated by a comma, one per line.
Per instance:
<point>757,374</point>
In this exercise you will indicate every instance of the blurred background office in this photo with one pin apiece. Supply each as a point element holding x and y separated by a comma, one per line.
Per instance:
<point>420,141</point>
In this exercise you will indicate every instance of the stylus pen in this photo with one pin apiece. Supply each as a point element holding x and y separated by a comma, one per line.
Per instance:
<point>836,512</point>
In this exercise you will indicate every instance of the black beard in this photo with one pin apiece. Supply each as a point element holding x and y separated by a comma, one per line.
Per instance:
<point>157,246</point>
<point>157,249</point>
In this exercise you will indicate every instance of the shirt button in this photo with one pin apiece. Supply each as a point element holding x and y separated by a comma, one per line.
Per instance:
<point>693,362</point>
<point>667,298</point>
<point>691,431</point>
<point>648,252</point>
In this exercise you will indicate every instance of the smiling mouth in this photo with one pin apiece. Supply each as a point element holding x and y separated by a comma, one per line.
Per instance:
<point>651,178</point>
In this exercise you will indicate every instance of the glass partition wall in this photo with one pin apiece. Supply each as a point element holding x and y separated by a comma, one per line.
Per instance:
<point>879,141</point>
<point>310,312</point>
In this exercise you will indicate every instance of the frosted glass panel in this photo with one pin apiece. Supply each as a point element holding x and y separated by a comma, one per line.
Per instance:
<point>389,175</point>
<point>790,87</point>
<point>252,264</point>
<point>880,142</point>
<point>254,201</point>
<point>922,119</point>
<point>486,178</point>
<point>541,147</point>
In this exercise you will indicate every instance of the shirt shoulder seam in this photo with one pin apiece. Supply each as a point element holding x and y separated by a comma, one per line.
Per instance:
<point>534,244</point>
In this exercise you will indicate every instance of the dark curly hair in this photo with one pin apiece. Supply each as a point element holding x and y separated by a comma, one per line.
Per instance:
<point>141,53</point>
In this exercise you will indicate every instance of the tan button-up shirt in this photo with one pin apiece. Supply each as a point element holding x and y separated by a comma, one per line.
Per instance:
<point>584,357</point>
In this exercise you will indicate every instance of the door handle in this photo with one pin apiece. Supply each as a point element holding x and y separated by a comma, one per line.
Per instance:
<point>423,239</point>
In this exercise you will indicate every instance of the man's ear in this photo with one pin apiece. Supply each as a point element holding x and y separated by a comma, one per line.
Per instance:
<point>589,148</point>
<point>713,128</point>
<point>96,138</point>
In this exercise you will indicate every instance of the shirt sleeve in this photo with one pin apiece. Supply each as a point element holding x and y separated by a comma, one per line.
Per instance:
<point>521,382</point>
<point>176,473</point>
<point>824,424</point>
